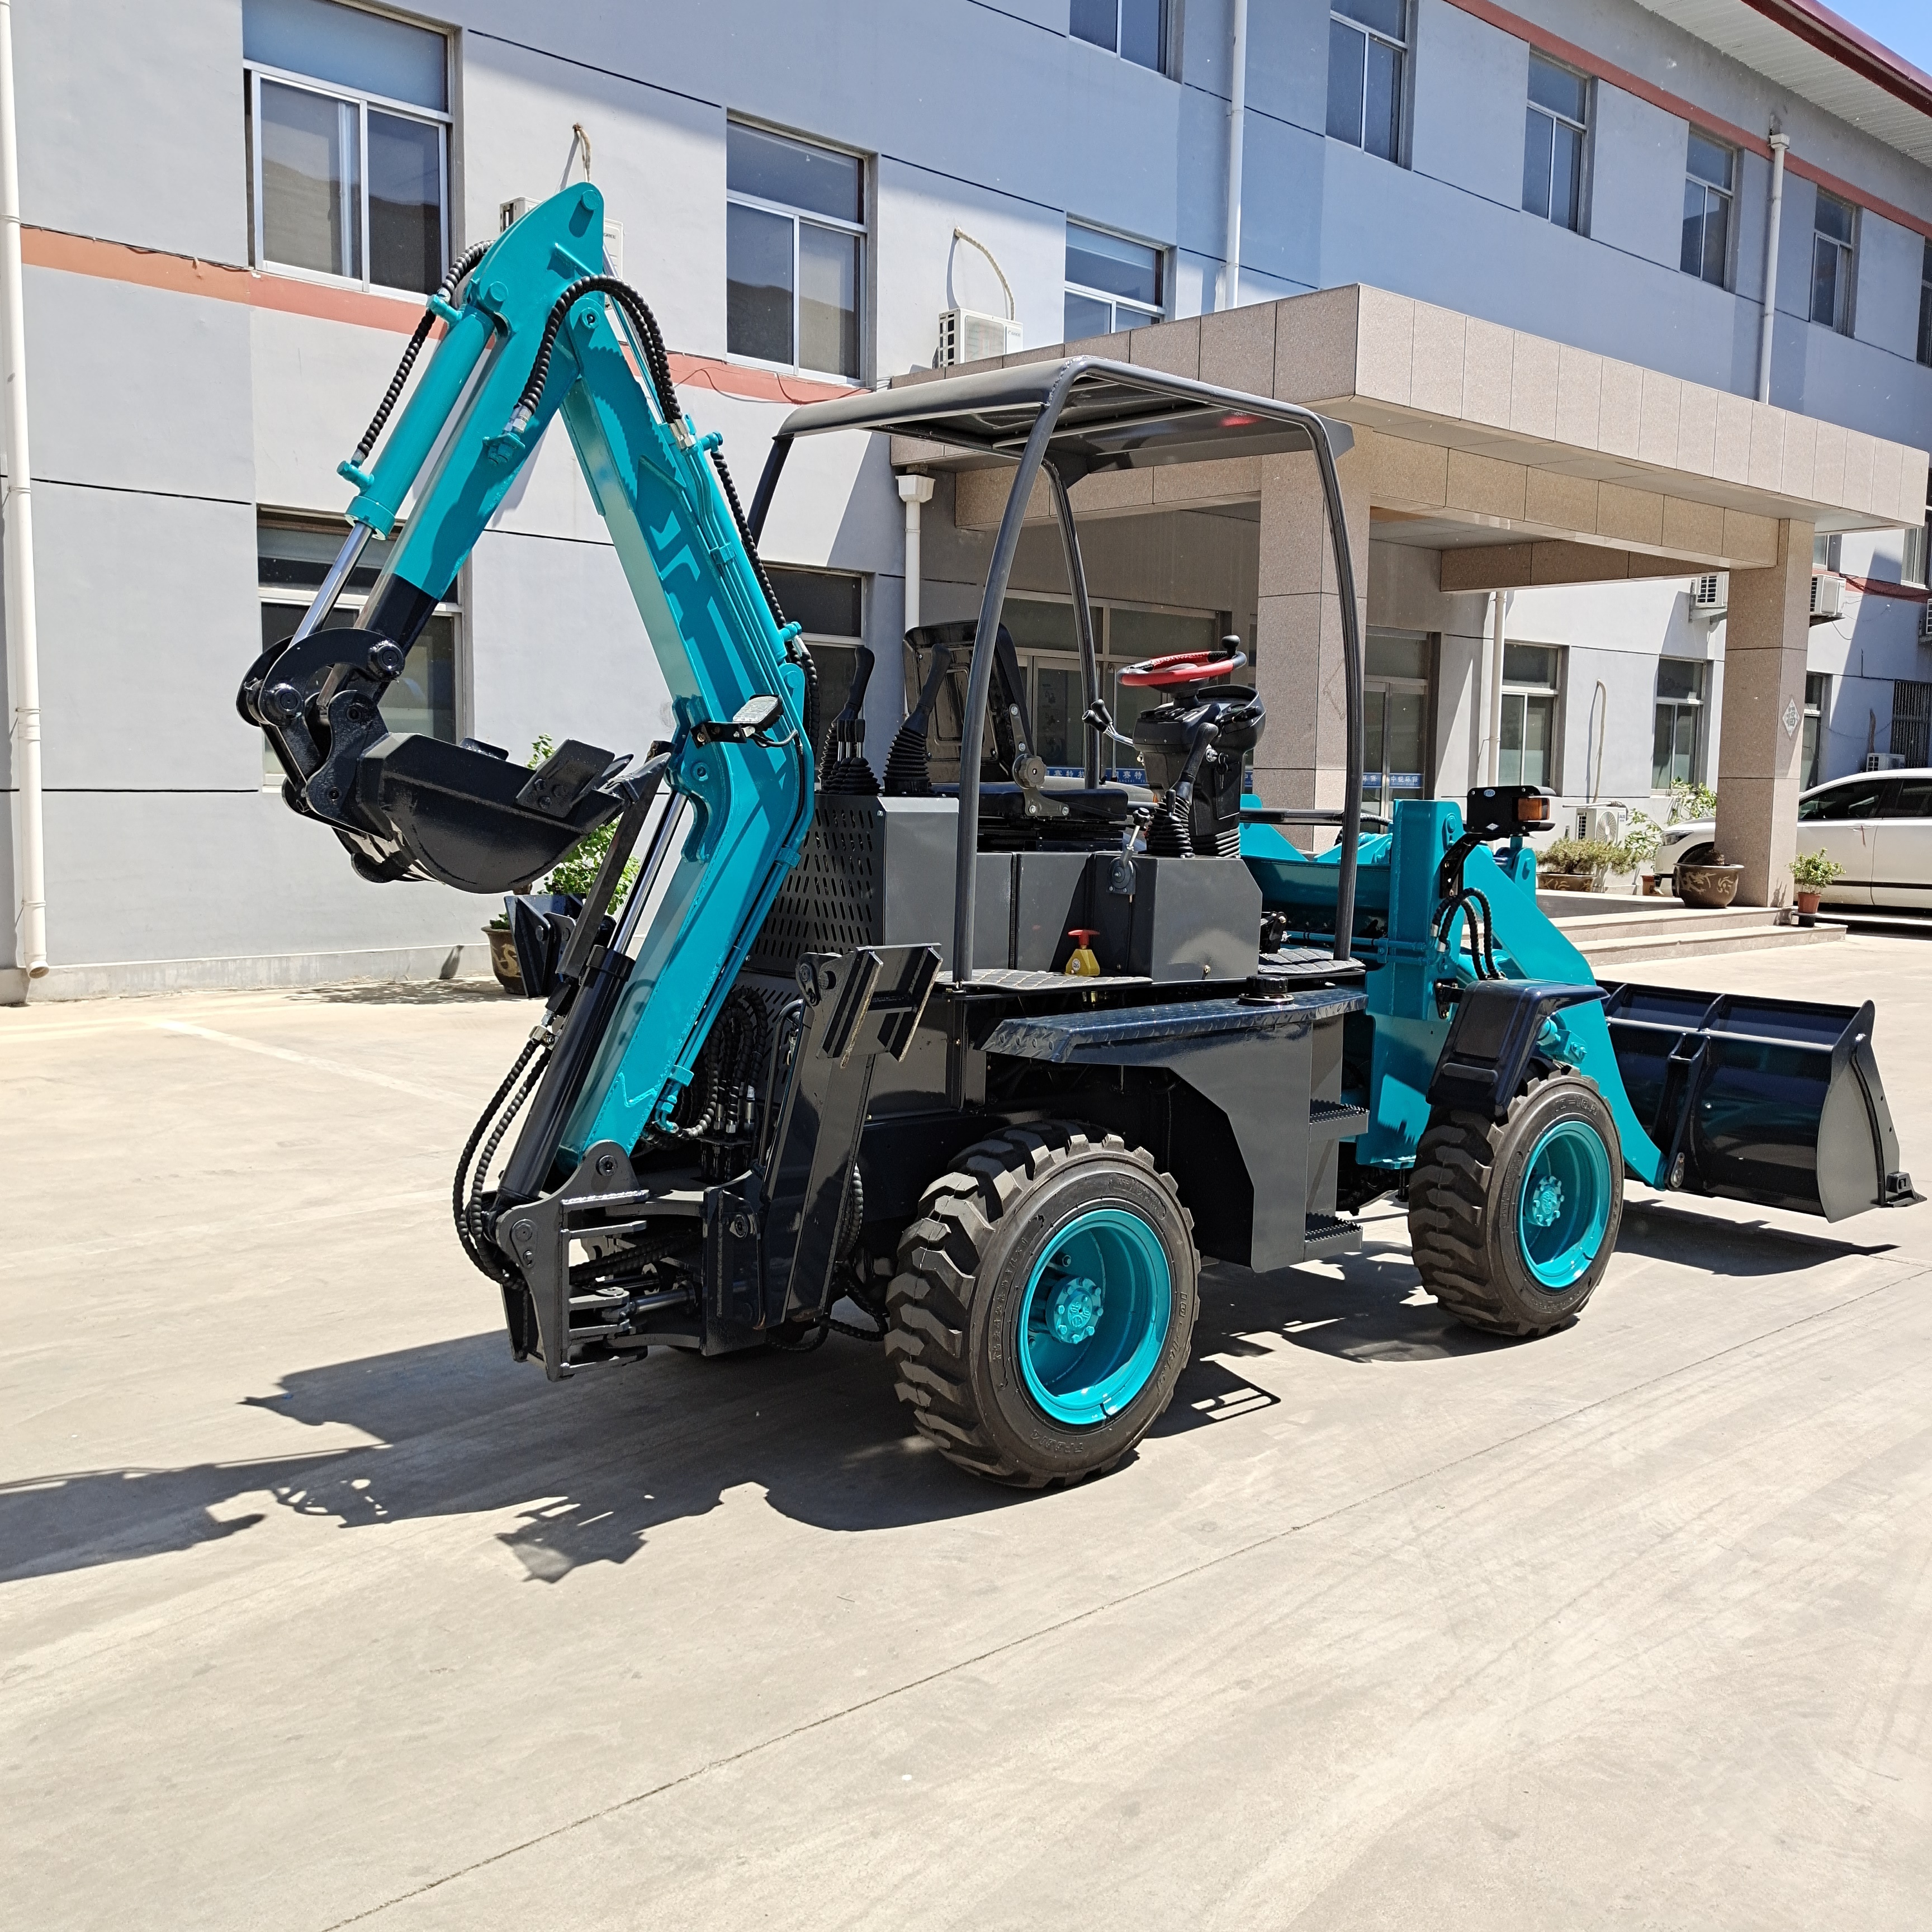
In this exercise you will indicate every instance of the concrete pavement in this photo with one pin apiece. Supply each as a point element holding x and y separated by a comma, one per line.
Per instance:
<point>315,1609</point>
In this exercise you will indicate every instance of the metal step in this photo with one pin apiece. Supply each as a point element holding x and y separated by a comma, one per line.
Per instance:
<point>1331,1235</point>
<point>1336,1119</point>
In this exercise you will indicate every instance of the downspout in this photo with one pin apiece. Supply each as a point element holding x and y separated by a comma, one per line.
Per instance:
<point>23,665</point>
<point>1778,145</point>
<point>1238,101</point>
<point>1492,753</point>
<point>913,491</point>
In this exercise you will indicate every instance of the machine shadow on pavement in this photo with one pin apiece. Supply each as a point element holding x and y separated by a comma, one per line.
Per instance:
<point>593,1467</point>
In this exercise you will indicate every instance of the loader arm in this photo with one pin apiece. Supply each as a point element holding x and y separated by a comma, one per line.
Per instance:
<point>539,332</point>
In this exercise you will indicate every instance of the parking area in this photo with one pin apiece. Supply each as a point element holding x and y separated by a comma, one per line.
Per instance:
<point>317,1609</point>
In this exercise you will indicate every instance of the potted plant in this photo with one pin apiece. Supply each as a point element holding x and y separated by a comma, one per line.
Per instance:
<point>1638,848</point>
<point>1811,872</point>
<point>503,954</point>
<point>1577,865</point>
<point>1712,882</point>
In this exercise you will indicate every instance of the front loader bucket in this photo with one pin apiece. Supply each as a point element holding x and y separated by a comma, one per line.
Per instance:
<point>1774,1102</point>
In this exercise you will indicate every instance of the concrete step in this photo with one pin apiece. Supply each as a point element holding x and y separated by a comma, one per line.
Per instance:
<point>1589,912</point>
<point>1608,952</point>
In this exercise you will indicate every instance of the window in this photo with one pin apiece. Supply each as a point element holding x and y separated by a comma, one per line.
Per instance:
<point>1553,149</point>
<point>1912,721</point>
<point>1677,743</point>
<point>1367,46</point>
<point>1395,718</point>
<point>1925,306</point>
<point>291,560</point>
<point>1136,30</point>
<point>1912,800</point>
<point>1526,753</point>
<point>1709,172</point>
<point>1912,565</point>
<point>1861,797</point>
<point>1834,241</point>
<point>1112,284</point>
<point>1825,551</point>
<point>829,605</point>
<point>1817,702</point>
<point>347,127</point>
<point>794,251</point>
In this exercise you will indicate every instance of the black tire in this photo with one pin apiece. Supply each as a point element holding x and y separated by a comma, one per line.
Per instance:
<point>1465,1205</point>
<point>965,1265</point>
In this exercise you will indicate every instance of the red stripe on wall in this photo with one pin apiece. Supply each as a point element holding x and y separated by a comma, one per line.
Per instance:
<point>289,294</point>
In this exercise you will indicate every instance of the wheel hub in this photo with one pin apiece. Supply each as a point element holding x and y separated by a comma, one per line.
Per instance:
<point>1546,1201</point>
<point>1074,1311</point>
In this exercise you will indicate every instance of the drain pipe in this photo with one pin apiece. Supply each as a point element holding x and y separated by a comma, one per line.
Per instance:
<point>1237,103</point>
<point>23,657</point>
<point>1778,145</point>
<point>913,491</point>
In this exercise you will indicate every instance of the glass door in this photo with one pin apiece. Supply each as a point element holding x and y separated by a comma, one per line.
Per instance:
<point>1394,736</point>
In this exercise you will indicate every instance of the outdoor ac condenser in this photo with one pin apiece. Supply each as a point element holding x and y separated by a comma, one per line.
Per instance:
<point>1828,596</point>
<point>969,335</point>
<point>1709,594</point>
<point>1885,761</point>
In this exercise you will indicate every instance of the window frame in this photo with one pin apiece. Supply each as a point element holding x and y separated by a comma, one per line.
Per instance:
<point>1924,345</point>
<point>861,231</point>
<point>1549,693</point>
<point>1817,708</point>
<point>1404,50</point>
<point>1169,9</point>
<point>1144,317</point>
<point>1586,147</point>
<point>1845,321</point>
<point>1700,705</point>
<point>1729,196</point>
<point>254,73</point>
<point>351,602</point>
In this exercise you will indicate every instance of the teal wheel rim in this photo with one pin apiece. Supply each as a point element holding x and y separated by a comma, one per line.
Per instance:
<point>1563,1210</point>
<point>1094,1318</point>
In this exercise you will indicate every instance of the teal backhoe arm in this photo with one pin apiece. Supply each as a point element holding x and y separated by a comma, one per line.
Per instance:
<point>538,332</point>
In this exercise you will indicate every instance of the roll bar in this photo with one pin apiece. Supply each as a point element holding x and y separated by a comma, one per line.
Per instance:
<point>1070,418</point>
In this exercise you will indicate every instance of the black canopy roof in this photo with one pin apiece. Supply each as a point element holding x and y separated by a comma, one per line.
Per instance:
<point>1118,416</point>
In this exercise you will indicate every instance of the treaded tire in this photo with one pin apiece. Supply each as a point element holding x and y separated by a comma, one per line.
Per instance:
<point>1464,1198</point>
<point>965,1264</point>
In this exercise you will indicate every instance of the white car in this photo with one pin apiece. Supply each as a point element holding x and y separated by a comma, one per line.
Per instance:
<point>1877,826</point>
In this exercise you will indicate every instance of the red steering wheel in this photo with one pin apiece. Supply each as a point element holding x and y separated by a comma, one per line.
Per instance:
<point>1184,667</point>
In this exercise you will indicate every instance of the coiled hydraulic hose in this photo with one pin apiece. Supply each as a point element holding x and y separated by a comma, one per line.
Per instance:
<point>451,282</point>
<point>466,1197</point>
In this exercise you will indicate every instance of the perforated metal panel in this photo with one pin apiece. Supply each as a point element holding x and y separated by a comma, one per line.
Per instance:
<point>835,897</point>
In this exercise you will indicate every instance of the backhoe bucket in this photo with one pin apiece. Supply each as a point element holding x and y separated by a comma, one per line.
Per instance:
<point>1774,1102</point>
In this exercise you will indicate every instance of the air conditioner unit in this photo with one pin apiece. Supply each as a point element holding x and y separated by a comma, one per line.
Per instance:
<point>1885,761</point>
<point>1827,595</point>
<point>1605,822</point>
<point>1709,594</point>
<point>509,213</point>
<point>1925,624</point>
<point>968,335</point>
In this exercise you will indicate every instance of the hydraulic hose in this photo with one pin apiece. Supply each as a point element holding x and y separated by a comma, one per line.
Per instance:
<point>451,282</point>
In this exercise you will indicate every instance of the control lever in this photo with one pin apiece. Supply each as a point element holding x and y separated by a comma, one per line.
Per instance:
<point>1030,773</point>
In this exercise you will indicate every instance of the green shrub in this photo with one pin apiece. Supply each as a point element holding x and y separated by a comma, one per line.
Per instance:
<point>1689,800</point>
<point>1812,871</point>
<point>576,872</point>
<point>1596,856</point>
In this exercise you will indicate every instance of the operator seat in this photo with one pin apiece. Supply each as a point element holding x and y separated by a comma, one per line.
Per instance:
<point>1018,811</point>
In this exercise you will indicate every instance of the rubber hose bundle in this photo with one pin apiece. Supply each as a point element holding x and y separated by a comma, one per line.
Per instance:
<point>452,282</point>
<point>466,1198</point>
<point>724,1067</point>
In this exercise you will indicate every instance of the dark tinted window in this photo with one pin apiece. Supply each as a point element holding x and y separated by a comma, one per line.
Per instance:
<point>794,172</point>
<point>1856,798</point>
<point>1912,800</point>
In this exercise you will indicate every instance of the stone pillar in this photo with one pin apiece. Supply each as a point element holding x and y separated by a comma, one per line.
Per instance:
<point>1766,629</point>
<point>1302,759</point>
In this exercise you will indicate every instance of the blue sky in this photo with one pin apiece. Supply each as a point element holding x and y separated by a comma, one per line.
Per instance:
<point>1903,25</point>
